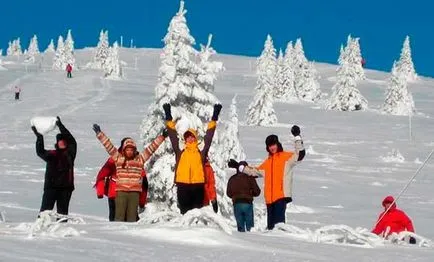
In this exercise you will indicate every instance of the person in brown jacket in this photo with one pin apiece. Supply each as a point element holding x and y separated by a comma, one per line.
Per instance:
<point>242,188</point>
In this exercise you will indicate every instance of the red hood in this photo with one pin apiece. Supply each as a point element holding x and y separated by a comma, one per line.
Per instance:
<point>389,199</point>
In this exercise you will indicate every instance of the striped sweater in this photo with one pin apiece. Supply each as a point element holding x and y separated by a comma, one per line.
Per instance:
<point>129,172</point>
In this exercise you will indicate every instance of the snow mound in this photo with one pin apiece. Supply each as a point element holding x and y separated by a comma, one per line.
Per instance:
<point>311,151</point>
<point>376,183</point>
<point>2,216</point>
<point>393,157</point>
<point>295,209</point>
<point>43,124</point>
<point>194,218</point>
<point>417,161</point>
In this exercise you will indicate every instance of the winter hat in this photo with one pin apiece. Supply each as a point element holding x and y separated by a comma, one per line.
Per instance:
<point>60,137</point>
<point>129,143</point>
<point>388,200</point>
<point>190,131</point>
<point>122,143</point>
<point>271,140</point>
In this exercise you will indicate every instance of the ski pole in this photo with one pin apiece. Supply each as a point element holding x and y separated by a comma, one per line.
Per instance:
<point>405,187</point>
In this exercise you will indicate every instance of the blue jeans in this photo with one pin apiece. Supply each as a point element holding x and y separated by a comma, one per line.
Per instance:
<point>244,215</point>
<point>276,213</point>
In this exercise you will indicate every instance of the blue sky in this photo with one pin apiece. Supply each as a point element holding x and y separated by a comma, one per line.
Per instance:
<point>238,26</point>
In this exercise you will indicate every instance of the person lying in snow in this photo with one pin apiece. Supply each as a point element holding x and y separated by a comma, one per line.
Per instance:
<point>277,172</point>
<point>190,162</point>
<point>129,168</point>
<point>393,220</point>
<point>106,184</point>
<point>242,188</point>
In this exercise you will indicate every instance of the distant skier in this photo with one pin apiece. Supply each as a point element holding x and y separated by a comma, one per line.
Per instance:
<point>242,188</point>
<point>190,162</point>
<point>106,184</point>
<point>129,167</point>
<point>17,92</point>
<point>363,62</point>
<point>394,221</point>
<point>59,174</point>
<point>277,172</point>
<point>69,71</point>
<point>210,195</point>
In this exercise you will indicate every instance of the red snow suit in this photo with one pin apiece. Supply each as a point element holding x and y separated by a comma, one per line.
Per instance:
<point>394,221</point>
<point>68,68</point>
<point>106,184</point>
<point>210,191</point>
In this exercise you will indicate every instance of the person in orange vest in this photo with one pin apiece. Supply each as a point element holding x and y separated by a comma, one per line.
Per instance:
<point>210,195</point>
<point>69,71</point>
<point>277,172</point>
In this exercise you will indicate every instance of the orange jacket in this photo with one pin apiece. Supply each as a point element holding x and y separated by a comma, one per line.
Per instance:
<point>277,169</point>
<point>210,191</point>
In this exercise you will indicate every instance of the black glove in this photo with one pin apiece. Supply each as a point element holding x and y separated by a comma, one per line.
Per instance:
<point>412,240</point>
<point>36,131</point>
<point>215,207</point>
<point>295,130</point>
<point>165,133</point>
<point>233,164</point>
<point>167,112</point>
<point>58,122</point>
<point>96,128</point>
<point>216,113</point>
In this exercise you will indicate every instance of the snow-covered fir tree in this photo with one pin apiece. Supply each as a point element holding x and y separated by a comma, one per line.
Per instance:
<point>50,49</point>
<point>112,66</point>
<point>285,76</point>
<point>305,75</point>
<point>210,69</point>
<point>280,78</point>
<point>192,105</point>
<point>399,100</point>
<point>102,51</point>
<point>14,48</point>
<point>33,49</point>
<point>69,50</point>
<point>346,96</point>
<point>260,111</point>
<point>59,57</point>
<point>405,65</point>
<point>352,55</point>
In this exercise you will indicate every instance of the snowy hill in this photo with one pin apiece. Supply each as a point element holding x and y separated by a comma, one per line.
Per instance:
<point>348,170</point>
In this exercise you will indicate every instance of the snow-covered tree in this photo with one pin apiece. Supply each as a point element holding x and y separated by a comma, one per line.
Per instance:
<point>112,66</point>
<point>405,65</point>
<point>33,49</point>
<point>346,96</point>
<point>14,48</point>
<point>50,49</point>
<point>210,68</point>
<point>260,111</point>
<point>353,56</point>
<point>399,100</point>
<point>305,75</point>
<point>285,76</point>
<point>69,50</point>
<point>59,58</point>
<point>102,51</point>
<point>192,105</point>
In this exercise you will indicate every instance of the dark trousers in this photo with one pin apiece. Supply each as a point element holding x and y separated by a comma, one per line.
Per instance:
<point>190,196</point>
<point>112,209</point>
<point>60,197</point>
<point>127,204</point>
<point>17,96</point>
<point>69,75</point>
<point>276,213</point>
<point>244,216</point>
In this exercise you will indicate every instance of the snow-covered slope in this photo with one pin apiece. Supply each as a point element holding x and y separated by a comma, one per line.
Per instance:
<point>349,168</point>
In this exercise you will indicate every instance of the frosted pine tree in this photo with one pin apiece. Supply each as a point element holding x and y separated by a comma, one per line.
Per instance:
<point>192,106</point>
<point>346,96</point>
<point>50,49</point>
<point>69,50</point>
<point>14,48</point>
<point>9,50</point>
<point>102,51</point>
<point>260,111</point>
<point>112,66</point>
<point>354,57</point>
<point>280,77</point>
<point>210,68</point>
<point>59,57</point>
<point>33,49</point>
<point>399,100</point>
<point>287,71</point>
<point>405,65</point>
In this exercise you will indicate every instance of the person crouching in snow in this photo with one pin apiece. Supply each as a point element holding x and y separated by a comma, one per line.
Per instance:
<point>393,220</point>
<point>129,167</point>
<point>210,195</point>
<point>277,172</point>
<point>106,184</point>
<point>190,162</point>
<point>59,173</point>
<point>242,188</point>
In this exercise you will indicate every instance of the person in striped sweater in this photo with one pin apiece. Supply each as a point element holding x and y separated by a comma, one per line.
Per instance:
<point>129,167</point>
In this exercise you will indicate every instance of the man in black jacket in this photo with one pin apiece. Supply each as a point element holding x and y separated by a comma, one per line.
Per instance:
<point>59,173</point>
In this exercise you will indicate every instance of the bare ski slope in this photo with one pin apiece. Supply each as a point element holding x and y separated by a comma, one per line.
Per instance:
<point>345,176</point>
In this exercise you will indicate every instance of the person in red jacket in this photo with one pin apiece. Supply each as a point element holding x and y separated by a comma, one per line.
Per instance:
<point>106,185</point>
<point>393,220</point>
<point>210,190</point>
<point>69,71</point>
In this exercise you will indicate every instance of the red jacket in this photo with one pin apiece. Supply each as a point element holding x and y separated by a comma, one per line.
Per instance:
<point>210,191</point>
<point>394,221</point>
<point>106,184</point>
<point>68,68</point>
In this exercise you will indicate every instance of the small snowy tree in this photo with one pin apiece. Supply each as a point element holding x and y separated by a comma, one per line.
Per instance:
<point>210,68</point>
<point>285,78</point>
<point>14,48</point>
<point>112,66</point>
<point>50,49</point>
<point>260,111</point>
<point>405,65</point>
<point>69,50</point>
<point>346,96</point>
<point>353,56</point>
<point>399,100</point>
<point>59,57</point>
<point>102,51</point>
<point>33,49</point>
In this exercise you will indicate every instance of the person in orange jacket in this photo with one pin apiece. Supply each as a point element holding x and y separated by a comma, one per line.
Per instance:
<point>393,220</point>
<point>106,184</point>
<point>210,189</point>
<point>277,172</point>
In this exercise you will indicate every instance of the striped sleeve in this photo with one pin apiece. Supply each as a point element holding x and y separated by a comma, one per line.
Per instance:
<point>150,150</point>
<point>108,145</point>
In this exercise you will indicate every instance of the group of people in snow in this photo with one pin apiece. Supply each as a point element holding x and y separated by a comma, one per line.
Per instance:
<point>123,179</point>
